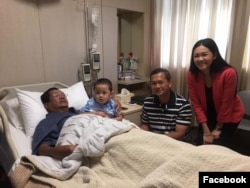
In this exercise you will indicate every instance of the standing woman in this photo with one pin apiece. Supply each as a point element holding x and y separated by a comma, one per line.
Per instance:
<point>212,85</point>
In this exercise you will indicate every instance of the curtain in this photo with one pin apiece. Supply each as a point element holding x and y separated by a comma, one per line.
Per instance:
<point>156,33</point>
<point>240,43</point>
<point>178,24</point>
<point>245,76</point>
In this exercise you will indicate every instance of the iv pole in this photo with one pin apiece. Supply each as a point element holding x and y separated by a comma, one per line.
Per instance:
<point>94,21</point>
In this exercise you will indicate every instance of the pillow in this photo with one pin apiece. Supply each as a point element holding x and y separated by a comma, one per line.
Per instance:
<point>76,95</point>
<point>33,111</point>
<point>13,112</point>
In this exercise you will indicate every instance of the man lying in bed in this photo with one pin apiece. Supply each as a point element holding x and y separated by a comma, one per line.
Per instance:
<point>48,130</point>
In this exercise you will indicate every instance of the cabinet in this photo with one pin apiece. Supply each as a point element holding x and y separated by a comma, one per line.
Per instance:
<point>137,86</point>
<point>132,113</point>
<point>126,29</point>
<point>130,33</point>
<point>131,40</point>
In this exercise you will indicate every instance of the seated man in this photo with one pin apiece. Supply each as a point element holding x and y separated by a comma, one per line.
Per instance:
<point>48,130</point>
<point>165,112</point>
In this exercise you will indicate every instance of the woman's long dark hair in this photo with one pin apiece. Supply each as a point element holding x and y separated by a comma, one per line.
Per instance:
<point>218,64</point>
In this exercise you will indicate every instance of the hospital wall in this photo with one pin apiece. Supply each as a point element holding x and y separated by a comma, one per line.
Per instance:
<point>45,40</point>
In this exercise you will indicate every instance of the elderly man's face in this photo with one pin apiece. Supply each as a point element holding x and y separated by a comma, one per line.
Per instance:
<point>58,101</point>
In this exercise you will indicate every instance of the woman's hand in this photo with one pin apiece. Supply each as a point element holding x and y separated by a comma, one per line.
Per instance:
<point>216,133</point>
<point>207,135</point>
<point>208,138</point>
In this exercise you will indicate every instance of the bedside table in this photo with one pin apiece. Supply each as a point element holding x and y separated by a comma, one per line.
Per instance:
<point>132,112</point>
<point>136,86</point>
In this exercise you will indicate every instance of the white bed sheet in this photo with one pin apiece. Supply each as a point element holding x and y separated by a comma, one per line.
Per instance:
<point>24,147</point>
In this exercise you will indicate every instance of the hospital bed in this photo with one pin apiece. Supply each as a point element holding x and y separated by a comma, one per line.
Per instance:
<point>132,158</point>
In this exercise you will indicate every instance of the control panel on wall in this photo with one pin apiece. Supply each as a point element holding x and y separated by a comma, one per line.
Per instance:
<point>86,72</point>
<point>95,60</point>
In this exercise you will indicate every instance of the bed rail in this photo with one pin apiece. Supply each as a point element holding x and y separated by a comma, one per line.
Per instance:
<point>9,150</point>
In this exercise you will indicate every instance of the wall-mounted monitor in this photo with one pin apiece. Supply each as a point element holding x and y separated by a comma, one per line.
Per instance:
<point>86,72</point>
<point>95,60</point>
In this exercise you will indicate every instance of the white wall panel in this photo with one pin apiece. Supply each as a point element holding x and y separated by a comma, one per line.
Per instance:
<point>20,44</point>
<point>45,40</point>
<point>63,40</point>
<point>110,36</point>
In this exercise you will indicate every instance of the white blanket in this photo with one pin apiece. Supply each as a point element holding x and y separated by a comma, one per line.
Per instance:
<point>89,132</point>
<point>138,159</point>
